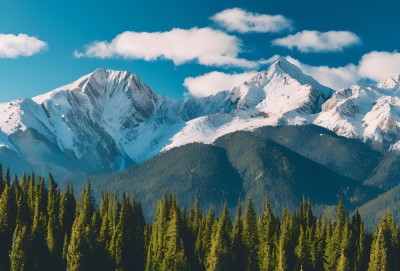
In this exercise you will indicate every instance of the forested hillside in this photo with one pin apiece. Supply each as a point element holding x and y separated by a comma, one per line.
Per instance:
<point>242,164</point>
<point>43,228</point>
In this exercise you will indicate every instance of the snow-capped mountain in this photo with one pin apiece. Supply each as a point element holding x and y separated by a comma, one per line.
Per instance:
<point>108,119</point>
<point>281,95</point>
<point>370,113</point>
<point>105,120</point>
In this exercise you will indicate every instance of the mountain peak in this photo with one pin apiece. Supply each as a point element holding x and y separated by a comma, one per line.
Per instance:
<point>108,73</point>
<point>100,81</point>
<point>391,83</point>
<point>283,67</point>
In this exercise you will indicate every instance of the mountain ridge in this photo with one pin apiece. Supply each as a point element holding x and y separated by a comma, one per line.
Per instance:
<point>108,120</point>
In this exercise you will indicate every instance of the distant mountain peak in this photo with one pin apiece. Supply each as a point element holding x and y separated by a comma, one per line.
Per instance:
<point>100,82</point>
<point>108,74</point>
<point>112,119</point>
<point>283,67</point>
<point>391,83</point>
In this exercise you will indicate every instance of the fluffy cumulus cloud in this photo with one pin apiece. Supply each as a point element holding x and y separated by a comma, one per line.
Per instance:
<point>213,82</point>
<point>333,77</point>
<point>205,45</point>
<point>314,41</point>
<point>13,46</point>
<point>239,20</point>
<point>379,66</point>
<point>375,66</point>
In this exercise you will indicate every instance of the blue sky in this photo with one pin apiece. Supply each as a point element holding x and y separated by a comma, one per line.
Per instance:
<point>364,49</point>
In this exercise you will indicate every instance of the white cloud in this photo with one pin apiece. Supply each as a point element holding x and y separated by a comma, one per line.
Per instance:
<point>376,66</point>
<point>333,77</point>
<point>379,66</point>
<point>13,46</point>
<point>270,60</point>
<point>314,41</point>
<point>236,19</point>
<point>205,45</point>
<point>213,82</point>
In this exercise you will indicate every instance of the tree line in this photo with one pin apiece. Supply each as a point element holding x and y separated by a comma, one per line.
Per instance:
<point>44,228</point>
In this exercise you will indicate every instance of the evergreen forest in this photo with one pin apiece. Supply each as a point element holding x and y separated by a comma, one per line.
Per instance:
<point>45,228</point>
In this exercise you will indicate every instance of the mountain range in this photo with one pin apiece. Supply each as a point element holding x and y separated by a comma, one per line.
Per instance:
<point>109,121</point>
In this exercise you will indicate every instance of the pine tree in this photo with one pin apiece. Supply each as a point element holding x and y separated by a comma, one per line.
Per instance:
<point>384,247</point>
<point>63,262</point>
<point>125,240</point>
<point>175,258</point>
<point>203,241</point>
<point>82,246</point>
<point>318,243</point>
<point>39,259</point>
<point>191,235</point>
<point>107,231</point>
<point>138,236</point>
<point>285,246</point>
<point>334,241</point>
<point>31,192</point>
<point>19,252</point>
<point>220,256</point>
<point>344,261</point>
<point>155,252</point>
<point>250,236</point>
<point>67,209</point>
<point>54,238</point>
<point>358,243</point>
<point>302,251</point>
<point>8,213</point>
<point>7,178</point>
<point>24,215</point>
<point>267,228</point>
<point>379,253</point>
<point>239,249</point>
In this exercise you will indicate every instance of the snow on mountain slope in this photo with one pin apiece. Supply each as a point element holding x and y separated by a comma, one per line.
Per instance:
<point>109,116</point>
<point>369,113</point>
<point>107,120</point>
<point>392,83</point>
<point>281,89</point>
<point>281,95</point>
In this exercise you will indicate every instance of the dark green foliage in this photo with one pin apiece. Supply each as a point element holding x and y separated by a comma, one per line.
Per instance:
<point>239,249</point>
<point>191,171</point>
<point>373,211</point>
<point>269,169</point>
<point>268,228</point>
<point>349,157</point>
<point>220,256</point>
<point>8,215</point>
<point>386,174</point>
<point>20,249</point>
<point>250,237</point>
<point>43,228</point>
<point>175,258</point>
<point>239,164</point>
